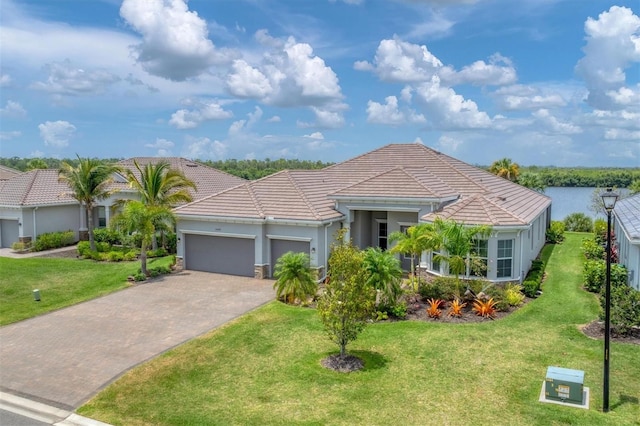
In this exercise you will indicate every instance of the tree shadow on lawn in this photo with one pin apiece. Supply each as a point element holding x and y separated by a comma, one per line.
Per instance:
<point>625,399</point>
<point>371,360</point>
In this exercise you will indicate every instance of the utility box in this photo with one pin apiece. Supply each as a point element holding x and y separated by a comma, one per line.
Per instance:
<point>564,384</point>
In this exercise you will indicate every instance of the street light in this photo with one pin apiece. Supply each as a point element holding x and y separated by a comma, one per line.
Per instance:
<point>609,199</point>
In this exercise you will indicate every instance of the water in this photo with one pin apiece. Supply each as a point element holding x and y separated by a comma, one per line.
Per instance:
<point>572,200</point>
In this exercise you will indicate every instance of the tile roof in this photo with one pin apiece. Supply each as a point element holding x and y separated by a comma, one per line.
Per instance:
<point>627,212</point>
<point>7,173</point>
<point>400,171</point>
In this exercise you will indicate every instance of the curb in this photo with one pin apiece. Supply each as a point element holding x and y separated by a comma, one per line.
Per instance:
<point>44,413</point>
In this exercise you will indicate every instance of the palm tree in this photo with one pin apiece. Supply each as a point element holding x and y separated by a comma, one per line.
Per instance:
<point>457,244</point>
<point>294,279</point>
<point>416,240</point>
<point>89,182</point>
<point>137,217</point>
<point>505,168</point>
<point>160,185</point>
<point>384,273</point>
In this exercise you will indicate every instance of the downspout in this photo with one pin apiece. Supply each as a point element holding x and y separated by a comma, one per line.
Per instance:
<point>326,254</point>
<point>521,278</point>
<point>35,231</point>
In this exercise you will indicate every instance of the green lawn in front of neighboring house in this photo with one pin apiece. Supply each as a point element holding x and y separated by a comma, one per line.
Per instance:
<point>264,368</point>
<point>61,282</point>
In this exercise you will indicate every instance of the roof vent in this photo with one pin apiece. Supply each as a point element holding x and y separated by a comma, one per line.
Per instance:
<point>191,165</point>
<point>502,198</point>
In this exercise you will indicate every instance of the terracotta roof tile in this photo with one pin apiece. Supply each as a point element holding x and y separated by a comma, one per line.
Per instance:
<point>7,173</point>
<point>35,187</point>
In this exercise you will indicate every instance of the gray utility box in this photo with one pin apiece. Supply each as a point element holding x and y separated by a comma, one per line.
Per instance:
<point>563,384</point>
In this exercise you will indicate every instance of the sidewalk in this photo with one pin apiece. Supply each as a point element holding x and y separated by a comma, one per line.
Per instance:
<point>8,252</point>
<point>43,413</point>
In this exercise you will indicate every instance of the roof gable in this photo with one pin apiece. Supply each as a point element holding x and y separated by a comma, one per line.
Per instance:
<point>627,212</point>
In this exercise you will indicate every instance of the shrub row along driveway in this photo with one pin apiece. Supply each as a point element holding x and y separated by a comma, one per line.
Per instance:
<point>65,357</point>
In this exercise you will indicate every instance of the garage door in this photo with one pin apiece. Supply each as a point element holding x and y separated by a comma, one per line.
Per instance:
<point>280,247</point>
<point>9,232</point>
<point>224,255</point>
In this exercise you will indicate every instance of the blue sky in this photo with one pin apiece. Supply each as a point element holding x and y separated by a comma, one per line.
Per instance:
<point>544,82</point>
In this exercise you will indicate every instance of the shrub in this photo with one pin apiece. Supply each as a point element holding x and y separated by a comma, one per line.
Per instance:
<point>578,222</point>
<point>159,270</point>
<point>108,235</point>
<point>592,250</point>
<point>438,288</point>
<point>159,252</point>
<point>600,231</point>
<point>513,294</point>
<point>485,308</point>
<point>530,288</point>
<point>115,256</point>
<point>555,233</point>
<point>625,308</point>
<point>19,246</point>
<point>595,272</point>
<point>171,242</point>
<point>139,276</point>
<point>84,249</point>
<point>130,255</point>
<point>399,310</point>
<point>51,240</point>
<point>103,247</point>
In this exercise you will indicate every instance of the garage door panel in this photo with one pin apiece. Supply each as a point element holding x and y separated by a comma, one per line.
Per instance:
<point>9,232</point>
<point>280,247</point>
<point>223,255</point>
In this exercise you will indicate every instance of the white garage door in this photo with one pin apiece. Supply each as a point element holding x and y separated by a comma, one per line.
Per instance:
<point>9,232</point>
<point>223,255</point>
<point>280,247</point>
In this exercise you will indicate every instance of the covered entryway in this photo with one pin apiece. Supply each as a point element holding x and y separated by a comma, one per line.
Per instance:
<point>9,232</point>
<point>280,247</point>
<point>223,255</point>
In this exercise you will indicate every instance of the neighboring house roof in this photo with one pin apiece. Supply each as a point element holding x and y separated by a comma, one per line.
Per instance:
<point>34,188</point>
<point>7,173</point>
<point>627,212</point>
<point>396,171</point>
<point>207,179</point>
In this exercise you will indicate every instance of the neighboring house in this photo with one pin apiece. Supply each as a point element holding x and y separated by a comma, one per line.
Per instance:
<point>245,229</point>
<point>7,173</point>
<point>35,202</point>
<point>627,231</point>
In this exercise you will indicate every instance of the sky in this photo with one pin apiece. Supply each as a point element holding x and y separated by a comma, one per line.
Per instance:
<point>542,82</point>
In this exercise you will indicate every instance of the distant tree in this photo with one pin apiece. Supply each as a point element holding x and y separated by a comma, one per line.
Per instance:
<point>37,163</point>
<point>140,218</point>
<point>384,274</point>
<point>348,301</point>
<point>578,222</point>
<point>532,181</point>
<point>634,187</point>
<point>505,168</point>
<point>89,181</point>
<point>294,279</point>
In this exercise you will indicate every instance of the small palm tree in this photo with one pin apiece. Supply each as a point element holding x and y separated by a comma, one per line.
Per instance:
<point>416,240</point>
<point>137,217</point>
<point>294,279</point>
<point>384,273</point>
<point>88,182</point>
<point>505,168</point>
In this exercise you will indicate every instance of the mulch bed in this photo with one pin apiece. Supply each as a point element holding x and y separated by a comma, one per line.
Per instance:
<point>343,364</point>
<point>417,311</point>
<point>595,330</point>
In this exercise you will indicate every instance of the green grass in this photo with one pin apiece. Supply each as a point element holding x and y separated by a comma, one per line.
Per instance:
<point>62,282</point>
<point>264,368</point>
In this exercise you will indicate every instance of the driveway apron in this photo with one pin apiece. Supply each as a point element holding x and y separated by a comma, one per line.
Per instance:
<point>65,357</point>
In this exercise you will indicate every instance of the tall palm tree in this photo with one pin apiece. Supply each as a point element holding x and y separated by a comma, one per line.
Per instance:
<point>505,168</point>
<point>384,273</point>
<point>457,244</point>
<point>88,182</point>
<point>160,185</point>
<point>416,240</point>
<point>294,279</point>
<point>138,217</point>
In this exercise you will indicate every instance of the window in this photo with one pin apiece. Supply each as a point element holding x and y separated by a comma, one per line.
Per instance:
<point>479,262</point>
<point>505,259</point>
<point>102,217</point>
<point>435,263</point>
<point>403,229</point>
<point>382,235</point>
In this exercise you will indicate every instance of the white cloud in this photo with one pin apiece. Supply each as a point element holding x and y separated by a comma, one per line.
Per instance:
<point>325,119</point>
<point>13,109</point>
<point>5,80</point>
<point>36,154</point>
<point>57,133</point>
<point>65,79</point>
<point>204,148</point>
<point>498,72</point>
<point>613,44</point>
<point>163,146</point>
<point>625,96</point>
<point>175,40</point>
<point>448,144</point>
<point>446,109</point>
<point>274,119</point>
<point>622,134</point>
<point>242,127</point>
<point>401,62</point>
<point>389,113</point>
<point>522,97</point>
<point>315,135</point>
<point>553,125</point>
<point>203,111</point>
<point>248,82</point>
<point>8,135</point>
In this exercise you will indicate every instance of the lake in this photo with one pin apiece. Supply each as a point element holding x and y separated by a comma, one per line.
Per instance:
<point>571,200</point>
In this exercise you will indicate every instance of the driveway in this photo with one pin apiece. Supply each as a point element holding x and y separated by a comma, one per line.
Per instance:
<point>65,357</point>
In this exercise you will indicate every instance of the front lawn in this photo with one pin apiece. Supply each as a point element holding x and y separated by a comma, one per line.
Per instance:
<point>62,282</point>
<point>264,368</point>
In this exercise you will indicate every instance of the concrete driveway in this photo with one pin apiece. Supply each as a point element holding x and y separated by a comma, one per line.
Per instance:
<point>65,357</point>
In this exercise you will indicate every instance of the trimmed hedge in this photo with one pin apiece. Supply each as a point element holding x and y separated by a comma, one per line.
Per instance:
<point>51,240</point>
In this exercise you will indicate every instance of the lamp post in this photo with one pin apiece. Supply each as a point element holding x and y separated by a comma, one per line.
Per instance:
<point>609,199</point>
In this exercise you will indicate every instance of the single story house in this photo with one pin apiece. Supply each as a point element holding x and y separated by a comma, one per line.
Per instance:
<point>245,229</point>
<point>626,215</point>
<point>35,202</point>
